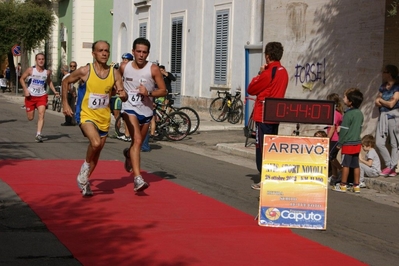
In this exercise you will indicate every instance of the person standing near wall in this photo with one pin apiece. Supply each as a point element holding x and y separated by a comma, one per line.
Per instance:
<point>35,92</point>
<point>167,78</point>
<point>271,82</point>
<point>388,127</point>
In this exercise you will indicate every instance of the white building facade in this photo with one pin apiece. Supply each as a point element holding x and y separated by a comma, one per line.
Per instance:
<point>210,45</point>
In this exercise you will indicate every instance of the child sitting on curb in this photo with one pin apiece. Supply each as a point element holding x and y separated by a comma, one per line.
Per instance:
<point>370,164</point>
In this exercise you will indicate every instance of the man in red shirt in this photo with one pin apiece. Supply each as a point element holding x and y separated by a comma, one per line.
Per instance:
<point>271,82</point>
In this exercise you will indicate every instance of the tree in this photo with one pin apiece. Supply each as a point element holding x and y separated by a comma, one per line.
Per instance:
<point>27,24</point>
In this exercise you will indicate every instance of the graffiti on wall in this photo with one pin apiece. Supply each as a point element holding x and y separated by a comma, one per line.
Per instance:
<point>310,73</point>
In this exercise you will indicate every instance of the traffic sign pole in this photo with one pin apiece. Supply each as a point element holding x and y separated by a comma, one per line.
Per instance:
<point>16,52</point>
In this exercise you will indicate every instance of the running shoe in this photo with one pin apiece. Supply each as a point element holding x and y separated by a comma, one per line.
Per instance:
<point>392,173</point>
<point>123,137</point>
<point>83,176</point>
<point>140,184</point>
<point>386,171</point>
<point>356,189</point>
<point>128,163</point>
<point>83,181</point>
<point>86,190</point>
<point>340,188</point>
<point>362,185</point>
<point>39,138</point>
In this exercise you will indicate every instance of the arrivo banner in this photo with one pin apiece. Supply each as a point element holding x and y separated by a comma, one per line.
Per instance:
<point>294,182</point>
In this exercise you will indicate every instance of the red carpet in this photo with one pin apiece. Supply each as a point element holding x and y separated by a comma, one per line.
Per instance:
<point>165,225</point>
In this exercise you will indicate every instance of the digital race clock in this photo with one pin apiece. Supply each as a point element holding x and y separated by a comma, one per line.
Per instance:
<point>299,111</point>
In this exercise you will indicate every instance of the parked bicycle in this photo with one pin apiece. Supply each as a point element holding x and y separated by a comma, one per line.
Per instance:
<point>174,125</point>
<point>227,106</point>
<point>57,101</point>
<point>194,117</point>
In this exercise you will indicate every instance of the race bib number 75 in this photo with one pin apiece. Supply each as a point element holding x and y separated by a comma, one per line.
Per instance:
<point>97,101</point>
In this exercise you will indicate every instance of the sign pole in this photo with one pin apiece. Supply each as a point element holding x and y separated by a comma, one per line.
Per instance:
<point>16,51</point>
<point>16,62</point>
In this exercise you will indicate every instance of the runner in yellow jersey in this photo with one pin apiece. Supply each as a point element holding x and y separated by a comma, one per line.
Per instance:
<point>92,109</point>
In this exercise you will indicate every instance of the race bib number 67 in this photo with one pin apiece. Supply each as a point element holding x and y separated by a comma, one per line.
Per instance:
<point>97,101</point>
<point>136,98</point>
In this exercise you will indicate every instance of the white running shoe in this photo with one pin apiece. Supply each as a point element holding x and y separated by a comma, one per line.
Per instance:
<point>86,190</point>
<point>83,181</point>
<point>123,137</point>
<point>140,184</point>
<point>362,185</point>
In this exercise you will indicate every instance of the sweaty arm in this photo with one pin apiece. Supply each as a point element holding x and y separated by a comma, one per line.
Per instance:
<point>119,86</point>
<point>79,74</point>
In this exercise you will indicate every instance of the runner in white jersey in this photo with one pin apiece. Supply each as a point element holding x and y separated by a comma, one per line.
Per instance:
<point>140,77</point>
<point>137,102</point>
<point>35,92</point>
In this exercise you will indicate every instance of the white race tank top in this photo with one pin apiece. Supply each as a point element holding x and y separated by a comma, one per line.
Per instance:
<point>132,78</point>
<point>37,82</point>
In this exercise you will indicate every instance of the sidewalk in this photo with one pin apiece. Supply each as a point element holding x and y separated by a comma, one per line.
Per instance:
<point>386,185</point>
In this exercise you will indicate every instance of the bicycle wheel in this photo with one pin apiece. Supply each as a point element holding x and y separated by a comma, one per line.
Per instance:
<point>218,109</point>
<point>120,126</point>
<point>250,131</point>
<point>236,112</point>
<point>59,105</point>
<point>177,126</point>
<point>194,118</point>
<point>159,127</point>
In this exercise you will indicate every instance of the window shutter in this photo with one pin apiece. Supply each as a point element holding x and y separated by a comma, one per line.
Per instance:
<point>221,46</point>
<point>143,30</point>
<point>176,55</point>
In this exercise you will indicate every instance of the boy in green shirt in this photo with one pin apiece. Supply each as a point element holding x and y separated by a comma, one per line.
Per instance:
<point>349,139</point>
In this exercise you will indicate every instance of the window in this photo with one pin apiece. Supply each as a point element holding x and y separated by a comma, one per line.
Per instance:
<point>176,54</point>
<point>143,30</point>
<point>221,46</point>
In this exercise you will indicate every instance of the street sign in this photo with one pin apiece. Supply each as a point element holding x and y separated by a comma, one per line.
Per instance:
<point>16,50</point>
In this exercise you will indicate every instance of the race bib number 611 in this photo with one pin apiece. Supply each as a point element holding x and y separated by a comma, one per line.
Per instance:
<point>97,101</point>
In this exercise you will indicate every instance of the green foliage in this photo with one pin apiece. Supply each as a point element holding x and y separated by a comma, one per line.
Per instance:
<point>24,23</point>
<point>394,9</point>
<point>35,24</point>
<point>7,27</point>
